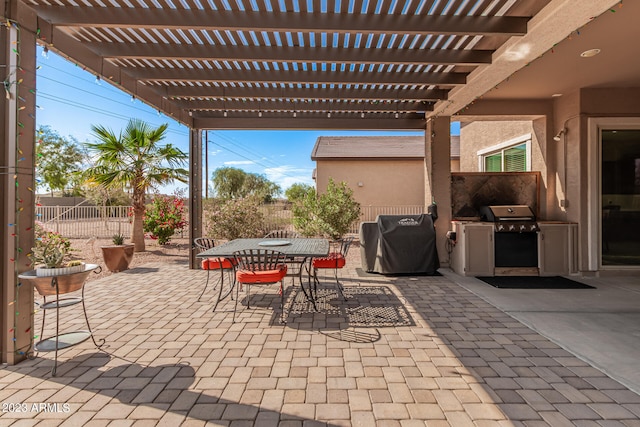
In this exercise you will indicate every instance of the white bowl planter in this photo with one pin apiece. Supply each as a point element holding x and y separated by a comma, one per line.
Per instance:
<point>60,271</point>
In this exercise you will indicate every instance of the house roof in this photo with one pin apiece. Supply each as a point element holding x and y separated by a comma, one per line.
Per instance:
<point>368,147</point>
<point>361,147</point>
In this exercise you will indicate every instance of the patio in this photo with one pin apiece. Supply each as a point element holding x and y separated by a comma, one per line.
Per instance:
<point>401,351</point>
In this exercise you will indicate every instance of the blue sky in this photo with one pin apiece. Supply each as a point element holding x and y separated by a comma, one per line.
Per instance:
<point>71,100</point>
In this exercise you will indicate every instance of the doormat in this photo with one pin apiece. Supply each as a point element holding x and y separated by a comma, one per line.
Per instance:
<point>533,282</point>
<point>362,273</point>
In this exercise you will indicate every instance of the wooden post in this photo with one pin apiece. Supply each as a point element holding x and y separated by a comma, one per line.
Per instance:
<point>17,131</point>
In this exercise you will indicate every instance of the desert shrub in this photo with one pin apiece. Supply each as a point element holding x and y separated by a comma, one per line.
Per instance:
<point>330,213</point>
<point>235,219</point>
<point>163,217</point>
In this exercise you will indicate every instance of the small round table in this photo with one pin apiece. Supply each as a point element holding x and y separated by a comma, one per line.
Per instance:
<point>58,285</point>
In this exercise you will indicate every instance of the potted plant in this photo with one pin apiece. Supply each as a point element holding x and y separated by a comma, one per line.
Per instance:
<point>51,253</point>
<point>118,256</point>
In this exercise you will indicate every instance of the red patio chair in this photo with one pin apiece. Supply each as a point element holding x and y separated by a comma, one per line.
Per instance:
<point>223,265</point>
<point>260,267</point>
<point>335,260</point>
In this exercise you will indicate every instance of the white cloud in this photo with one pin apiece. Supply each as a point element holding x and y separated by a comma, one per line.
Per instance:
<point>287,175</point>
<point>239,162</point>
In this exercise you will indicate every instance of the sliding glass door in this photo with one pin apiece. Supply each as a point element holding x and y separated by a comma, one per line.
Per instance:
<point>620,196</point>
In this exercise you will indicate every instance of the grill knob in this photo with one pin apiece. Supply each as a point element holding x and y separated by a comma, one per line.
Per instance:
<point>512,227</point>
<point>523,227</point>
<point>534,227</point>
<point>500,227</point>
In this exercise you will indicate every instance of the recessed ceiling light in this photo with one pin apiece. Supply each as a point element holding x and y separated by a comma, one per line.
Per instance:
<point>556,95</point>
<point>589,53</point>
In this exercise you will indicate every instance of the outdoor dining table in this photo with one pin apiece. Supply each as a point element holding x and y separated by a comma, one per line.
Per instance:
<point>304,249</point>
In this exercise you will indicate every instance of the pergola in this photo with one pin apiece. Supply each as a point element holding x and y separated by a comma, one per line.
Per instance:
<point>263,64</point>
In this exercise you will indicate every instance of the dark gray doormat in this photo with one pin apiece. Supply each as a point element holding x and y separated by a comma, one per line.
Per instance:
<point>362,273</point>
<point>533,282</point>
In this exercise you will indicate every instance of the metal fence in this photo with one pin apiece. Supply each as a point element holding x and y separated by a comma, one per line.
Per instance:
<point>85,221</point>
<point>104,222</point>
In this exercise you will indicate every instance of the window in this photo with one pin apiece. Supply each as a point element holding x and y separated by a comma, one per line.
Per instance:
<point>511,156</point>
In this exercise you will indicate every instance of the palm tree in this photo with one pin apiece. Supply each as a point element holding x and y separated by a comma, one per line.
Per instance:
<point>135,160</point>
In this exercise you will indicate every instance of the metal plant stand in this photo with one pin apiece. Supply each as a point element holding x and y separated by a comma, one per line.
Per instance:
<point>49,286</point>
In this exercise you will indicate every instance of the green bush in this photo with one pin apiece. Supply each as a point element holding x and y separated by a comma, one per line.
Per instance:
<point>235,219</point>
<point>330,213</point>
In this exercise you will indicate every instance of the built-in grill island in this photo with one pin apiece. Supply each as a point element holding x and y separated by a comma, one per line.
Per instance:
<point>497,227</point>
<point>515,235</point>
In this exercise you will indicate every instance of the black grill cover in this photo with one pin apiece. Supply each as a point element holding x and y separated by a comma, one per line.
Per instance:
<point>399,244</point>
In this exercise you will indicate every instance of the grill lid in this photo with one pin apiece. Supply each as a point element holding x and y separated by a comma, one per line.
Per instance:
<point>507,213</point>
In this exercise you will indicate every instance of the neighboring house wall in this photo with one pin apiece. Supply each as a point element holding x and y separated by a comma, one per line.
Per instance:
<point>383,182</point>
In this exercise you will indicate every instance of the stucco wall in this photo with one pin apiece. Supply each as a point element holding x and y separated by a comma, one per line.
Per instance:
<point>573,112</point>
<point>384,182</point>
<point>475,136</point>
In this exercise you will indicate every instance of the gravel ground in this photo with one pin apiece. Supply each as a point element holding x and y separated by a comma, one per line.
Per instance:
<point>88,250</point>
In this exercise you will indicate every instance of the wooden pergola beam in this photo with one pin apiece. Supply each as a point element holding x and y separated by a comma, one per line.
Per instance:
<point>274,54</point>
<point>353,93</point>
<point>311,77</point>
<point>129,17</point>
<point>319,106</point>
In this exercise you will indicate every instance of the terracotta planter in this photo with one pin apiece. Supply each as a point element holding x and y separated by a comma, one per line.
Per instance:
<point>68,282</point>
<point>117,257</point>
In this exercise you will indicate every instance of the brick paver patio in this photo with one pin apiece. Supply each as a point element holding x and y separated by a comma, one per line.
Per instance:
<point>407,351</point>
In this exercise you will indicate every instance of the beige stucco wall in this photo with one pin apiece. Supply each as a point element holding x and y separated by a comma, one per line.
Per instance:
<point>475,136</point>
<point>384,182</point>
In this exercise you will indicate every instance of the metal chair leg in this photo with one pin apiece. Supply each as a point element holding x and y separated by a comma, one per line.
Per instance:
<point>205,285</point>
<point>339,286</point>
<point>235,305</point>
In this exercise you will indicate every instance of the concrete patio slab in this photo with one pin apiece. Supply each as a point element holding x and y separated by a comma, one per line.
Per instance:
<point>601,325</point>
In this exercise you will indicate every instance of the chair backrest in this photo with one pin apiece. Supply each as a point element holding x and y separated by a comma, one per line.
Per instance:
<point>345,244</point>
<point>203,243</point>
<point>282,234</point>
<point>259,259</point>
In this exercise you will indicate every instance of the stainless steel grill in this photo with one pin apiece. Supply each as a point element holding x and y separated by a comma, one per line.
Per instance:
<point>516,235</point>
<point>510,218</point>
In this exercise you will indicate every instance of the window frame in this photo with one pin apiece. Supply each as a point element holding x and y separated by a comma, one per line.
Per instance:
<point>501,147</point>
